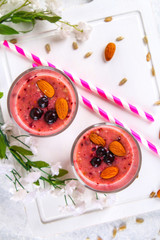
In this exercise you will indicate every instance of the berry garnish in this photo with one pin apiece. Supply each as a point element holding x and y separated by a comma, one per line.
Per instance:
<point>101,151</point>
<point>95,162</point>
<point>50,116</point>
<point>43,102</point>
<point>36,113</point>
<point>109,157</point>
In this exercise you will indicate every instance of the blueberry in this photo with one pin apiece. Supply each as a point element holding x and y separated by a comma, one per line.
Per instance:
<point>43,102</point>
<point>50,116</point>
<point>109,157</point>
<point>95,162</point>
<point>36,113</point>
<point>101,151</point>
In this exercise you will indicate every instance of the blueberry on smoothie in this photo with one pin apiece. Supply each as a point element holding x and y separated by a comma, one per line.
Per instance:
<point>109,157</point>
<point>101,151</point>
<point>50,116</point>
<point>36,113</point>
<point>95,162</point>
<point>43,102</point>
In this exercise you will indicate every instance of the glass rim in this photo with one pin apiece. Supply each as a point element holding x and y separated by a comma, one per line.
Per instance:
<point>108,124</point>
<point>32,70</point>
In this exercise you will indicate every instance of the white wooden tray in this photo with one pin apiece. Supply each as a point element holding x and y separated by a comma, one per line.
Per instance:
<point>133,20</point>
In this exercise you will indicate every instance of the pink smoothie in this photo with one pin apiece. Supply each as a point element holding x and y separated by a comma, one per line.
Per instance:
<point>84,151</point>
<point>24,95</point>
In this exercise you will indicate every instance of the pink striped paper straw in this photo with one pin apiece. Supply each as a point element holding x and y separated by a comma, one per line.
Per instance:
<point>87,85</point>
<point>109,118</point>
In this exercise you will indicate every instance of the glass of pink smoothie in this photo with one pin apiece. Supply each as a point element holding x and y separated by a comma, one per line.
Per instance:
<point>101,167</point>
<point>32,106</point>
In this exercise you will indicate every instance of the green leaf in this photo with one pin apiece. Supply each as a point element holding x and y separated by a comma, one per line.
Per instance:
<point>1,94</point>
<point>21,150</point>
<point>2,147</point>
<point>8,15</point>
<point>58,182</point>
<point>39,164</point>
<point>49,18</point>
<point>62,172</point>
<point>6,30</point>
<point>37,183</point>
<point>23,16</point>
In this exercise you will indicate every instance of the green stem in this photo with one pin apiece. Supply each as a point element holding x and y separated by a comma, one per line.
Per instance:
<point>74,26</point>
<point>20,140</point>
<point>71,199</point>
<point>3,2</point>
<point>97,196</point>
<point>65,198</point>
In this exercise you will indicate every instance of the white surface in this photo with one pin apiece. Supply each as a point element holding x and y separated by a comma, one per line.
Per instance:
<point>131,92</point>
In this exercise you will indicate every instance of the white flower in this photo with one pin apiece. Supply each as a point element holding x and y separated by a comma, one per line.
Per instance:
<point>73,209</point>
<point>55,168</point>
<point>83,31</point>
<point>54,6</point>
<point>32,177</point>
<point>30,196</point>
<point>64,30</point>
<point>37,5</point>
<point>5,168</point>
<point>19,195</point>
<point>70,187</point>
<point>8,126</point>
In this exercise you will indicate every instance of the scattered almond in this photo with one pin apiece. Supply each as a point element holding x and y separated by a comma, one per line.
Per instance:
<point>47,47</point>
<point>123,81</point>
<point>157,102</point>
<point>108,19</point>
<point>96,139</point>
<point>114,232</point>
<point>145,40</point>
<point>153,71</point>
<point>46,88</point>
<point>117,149</point>
<point>122,227</point>
<point>139,220</point>
<point>152,194</point>
<point>109,51</point>
<point>120,38</point>
<point>99,238</point>
<point>61,108</point>
<point>14,41</point>
<point>109,172</point>
<point>158,193</point>
<point>148,57</point>
<point>88,54</point>
<point>75,45</point>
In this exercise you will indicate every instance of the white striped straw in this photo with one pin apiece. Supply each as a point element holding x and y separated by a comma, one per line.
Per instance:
<point>86,84</point>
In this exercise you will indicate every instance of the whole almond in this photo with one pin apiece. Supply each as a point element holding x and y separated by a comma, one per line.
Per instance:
<point>96,139</point>
<point>61,108</point>
<point>46,88</point>
<point>158,193</point>
<point>109,51</point>
<point>109,172</point>
<point>117,149</point>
